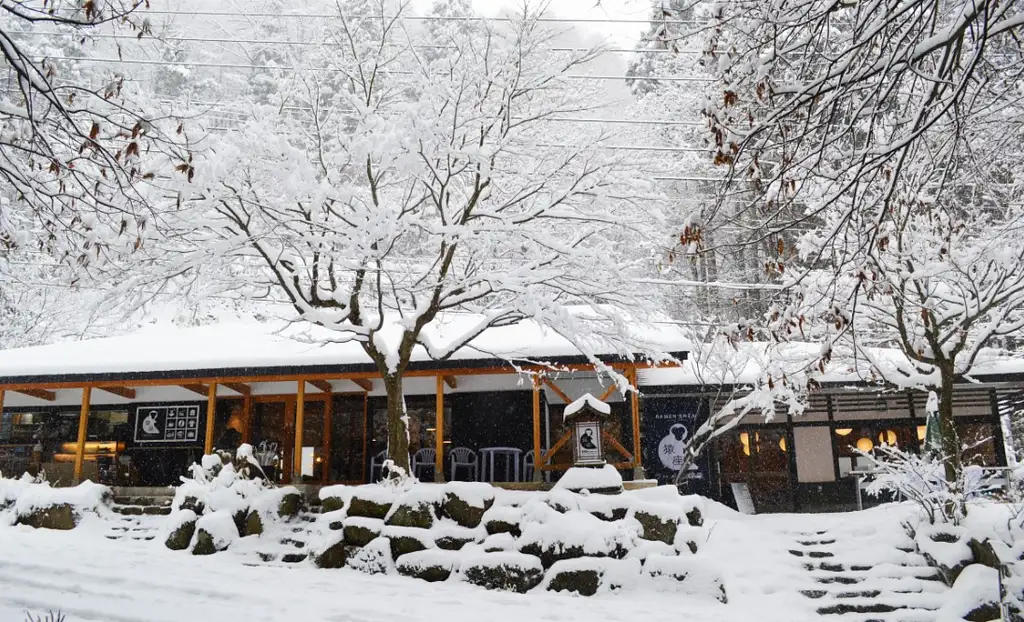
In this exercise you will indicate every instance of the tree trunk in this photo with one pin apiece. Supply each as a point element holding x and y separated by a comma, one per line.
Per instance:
<point>947,427</point>
<point>398,425</point>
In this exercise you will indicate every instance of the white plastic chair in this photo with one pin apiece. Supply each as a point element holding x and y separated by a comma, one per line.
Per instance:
<point>423,459</point>
<point>528,464</point>
<point>377,464</point>
<point>466,458</point>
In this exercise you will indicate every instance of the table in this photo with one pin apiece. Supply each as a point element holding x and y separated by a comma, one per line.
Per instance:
<point>511,455</point>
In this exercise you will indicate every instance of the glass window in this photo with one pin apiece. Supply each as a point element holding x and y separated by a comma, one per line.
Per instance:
<point>347,436</point>
<point>978,441</point>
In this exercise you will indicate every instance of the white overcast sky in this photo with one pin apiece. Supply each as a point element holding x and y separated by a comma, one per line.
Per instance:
<point>618,34</point>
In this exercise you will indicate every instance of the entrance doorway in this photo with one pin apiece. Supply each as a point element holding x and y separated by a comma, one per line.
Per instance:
<point>333,438</point>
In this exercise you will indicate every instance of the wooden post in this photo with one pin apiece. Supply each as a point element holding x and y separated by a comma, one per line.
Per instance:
<point>247,418</point>
<point>634,402</point>
<point>300,416</point>
<point>366,434</point>
<point>538,457</point>
<point>211,417</point>
<point>83,426</point>
<point>328,431</point>
<point>439,433</point>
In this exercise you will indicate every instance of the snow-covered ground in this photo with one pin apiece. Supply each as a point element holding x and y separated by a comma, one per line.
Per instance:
<point>89,577</point>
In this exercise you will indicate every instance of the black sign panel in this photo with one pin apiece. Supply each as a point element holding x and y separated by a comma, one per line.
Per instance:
<point>167,424</point>
<point>668,424</point>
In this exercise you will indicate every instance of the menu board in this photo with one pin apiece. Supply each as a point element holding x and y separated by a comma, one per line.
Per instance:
<point>167,424</point>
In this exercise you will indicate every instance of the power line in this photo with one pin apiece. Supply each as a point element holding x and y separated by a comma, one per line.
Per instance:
<point>162,63</point>
<point>332,43</point>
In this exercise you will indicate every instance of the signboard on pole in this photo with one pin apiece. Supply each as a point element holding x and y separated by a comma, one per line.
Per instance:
<point>668,424</point>
<point>167,424</point>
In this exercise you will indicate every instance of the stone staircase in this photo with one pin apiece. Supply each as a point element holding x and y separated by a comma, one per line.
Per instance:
<point>283,544</point>
<point>138,517</point>
<point>847,585</point>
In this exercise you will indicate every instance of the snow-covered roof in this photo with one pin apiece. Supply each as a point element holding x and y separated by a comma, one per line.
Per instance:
<point>586,400</point>
<point>255,347</point>
<point>747,364</point>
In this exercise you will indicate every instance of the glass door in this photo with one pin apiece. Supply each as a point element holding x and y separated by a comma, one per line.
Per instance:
<point>313,422</point>
<point>272,440</point>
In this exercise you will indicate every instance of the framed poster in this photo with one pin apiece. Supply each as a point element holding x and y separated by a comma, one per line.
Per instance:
<point>167,424</point>
<point>588,443</point>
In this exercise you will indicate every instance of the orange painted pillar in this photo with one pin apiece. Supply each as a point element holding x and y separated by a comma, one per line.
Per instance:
<point>83,426</point>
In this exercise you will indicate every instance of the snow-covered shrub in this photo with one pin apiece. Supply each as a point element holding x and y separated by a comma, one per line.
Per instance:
<point>922,479</point>
<point>236,487</point>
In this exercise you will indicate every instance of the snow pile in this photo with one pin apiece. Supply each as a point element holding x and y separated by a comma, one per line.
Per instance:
<point>25,497</point>
<point>596,478</point>
<point>975,593</point>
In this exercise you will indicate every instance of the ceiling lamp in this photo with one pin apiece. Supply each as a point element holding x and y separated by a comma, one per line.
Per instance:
<point>921,430</point>
<point>864,444</point>
<point>844,431</point>
<point>887,438</point>
<point>782,443</point>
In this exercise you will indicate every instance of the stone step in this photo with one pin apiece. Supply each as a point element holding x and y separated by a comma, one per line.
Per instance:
<point>813,554</point>
<point>163,501</point>
<point>816,542</point>
<point>141,510</point>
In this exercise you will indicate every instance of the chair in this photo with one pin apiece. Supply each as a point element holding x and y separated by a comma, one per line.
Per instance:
<point>423,459</point>
<point>528,464</point>
<point>377,464</point>
<point>466,458</point>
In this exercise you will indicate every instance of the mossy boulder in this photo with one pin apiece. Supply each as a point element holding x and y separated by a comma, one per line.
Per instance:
<point>181,536</point>
<point>367,508</point>
<point>418,514</point>
<point>193,504</point>
<point>984,553</point>
<point>241,518</point>
<point>59,516</point>
<point>408,540</point>
<point>512,572</point>
<point>253,524</point>
<point>205,544</point>
<point>290,505</point>
<point>463,512</point>
<point>452,543</point>
<point>611,514</point>
<point>334,556</point>
<point>332,504</point>
<point>694,517</point>
<point>551,553</point>
<point>360,533</point>
<point>432,566</point>
<point>581,581</point>
<point>500,525</point>
<point>656,527</point>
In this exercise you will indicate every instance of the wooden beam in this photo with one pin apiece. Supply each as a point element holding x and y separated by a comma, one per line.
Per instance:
<point>451,381</point>
<point>565,398</point>
<point>439,431</point>
<point>83,426</point>
<point>608,392</point>
<point>554,448</point>
<point>211,416</point>
<point>328,432</point>
<point>634,405</point>
<point>39,394</point>
<point>363,383</point>
<point>322,385</point>
<point>125,392</point>
<point>240,388</point>
<point>537,456</point>
<point>247,418</point>
<point>201,389</point>
<point>168,380</point>
<point>300,419</point>
<point>617,446</point>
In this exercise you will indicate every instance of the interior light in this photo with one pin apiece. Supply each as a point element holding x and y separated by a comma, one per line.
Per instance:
<point>782,443</point>
<point>865,444</point>
<point>844,431</point>
<point>921,430</point>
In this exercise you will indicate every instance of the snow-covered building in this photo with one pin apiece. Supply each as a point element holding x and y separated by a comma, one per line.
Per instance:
<point>137,410</point>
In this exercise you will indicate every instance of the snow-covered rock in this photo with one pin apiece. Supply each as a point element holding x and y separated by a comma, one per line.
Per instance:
<point>603,479</point>
<point>975,596</point>
<point>588,575</point>
<point>686,575</point>
<point>513,572</point>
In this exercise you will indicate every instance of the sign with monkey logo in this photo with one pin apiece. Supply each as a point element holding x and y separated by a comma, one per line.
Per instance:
<point>668,424</point>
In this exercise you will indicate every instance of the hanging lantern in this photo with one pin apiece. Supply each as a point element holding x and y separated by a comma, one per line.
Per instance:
<point>844,431</point>
<point>782,443</point>
<point>745,441</point>
<point>887,438</point>
<point>865,444</point>
<point>921,432</point>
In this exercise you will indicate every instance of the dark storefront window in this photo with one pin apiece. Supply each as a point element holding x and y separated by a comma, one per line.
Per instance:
<point>348,418</point>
